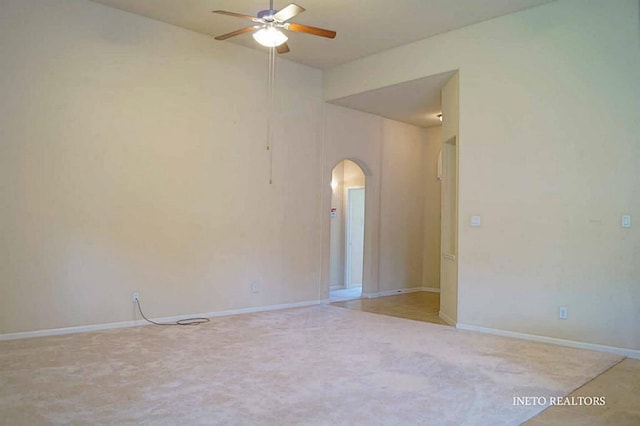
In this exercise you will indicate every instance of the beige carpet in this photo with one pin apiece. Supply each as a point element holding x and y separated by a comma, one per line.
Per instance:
<point>322,365</point>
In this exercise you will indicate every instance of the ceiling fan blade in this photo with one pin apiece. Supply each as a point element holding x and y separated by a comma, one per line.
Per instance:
<point>309,30</point>
<point>283,48</point>
<point>239,15</point>
<point>288,12</point>
<point>237,32</point>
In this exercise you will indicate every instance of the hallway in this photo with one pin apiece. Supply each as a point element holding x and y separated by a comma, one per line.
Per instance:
<point>419,306</point>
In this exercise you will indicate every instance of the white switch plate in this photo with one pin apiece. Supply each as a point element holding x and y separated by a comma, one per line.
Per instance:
<point>563,313</point>
<point>255,287</point>
<point>476,221</point>
<point>626,221</point>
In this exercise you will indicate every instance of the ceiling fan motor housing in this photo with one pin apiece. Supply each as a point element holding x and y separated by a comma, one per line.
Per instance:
<point>267,15</point>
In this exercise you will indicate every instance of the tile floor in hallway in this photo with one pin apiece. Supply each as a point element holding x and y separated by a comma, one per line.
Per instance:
<point>342,294</point>
<point>620,385</point>
<point>419,306</point>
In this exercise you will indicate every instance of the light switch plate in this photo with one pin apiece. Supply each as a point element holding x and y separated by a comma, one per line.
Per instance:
<point>626,221</point>
<point>563,313</point>
<point>476,221</point>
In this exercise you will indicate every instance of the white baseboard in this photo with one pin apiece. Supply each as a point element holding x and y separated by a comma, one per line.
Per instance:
<point>446,318</point>
<point>70,330</point>
<point>122,324</point>
<point>631,353</point>
<point>400,291</point>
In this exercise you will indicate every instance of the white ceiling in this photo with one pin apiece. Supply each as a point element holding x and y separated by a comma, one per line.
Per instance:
<point>415,102</point>
<point>364,27</point>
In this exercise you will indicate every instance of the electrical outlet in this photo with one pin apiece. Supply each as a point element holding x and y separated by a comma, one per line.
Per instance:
<point>255,287</point>
<point>563,313</point>
<point>135,296</point>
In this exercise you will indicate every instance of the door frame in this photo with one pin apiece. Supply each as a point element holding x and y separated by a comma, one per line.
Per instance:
<point>370,284</point>
<point>347,234</point>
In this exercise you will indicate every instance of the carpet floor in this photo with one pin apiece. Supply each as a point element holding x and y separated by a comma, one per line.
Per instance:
<point>321,365</point>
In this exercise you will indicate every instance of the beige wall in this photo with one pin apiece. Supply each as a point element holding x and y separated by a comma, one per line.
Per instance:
<point>402,206</point>
<point>132,157</point>
<point>449,197</point>
<point>129,160</point>
<point>353,135</point>
<point>431,221</point>
<point>353,176</point>
<point>549,157</point>
<point>394,157</point>
<point>450,100</point>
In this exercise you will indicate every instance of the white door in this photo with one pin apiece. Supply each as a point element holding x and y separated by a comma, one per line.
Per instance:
<point>354,237</point>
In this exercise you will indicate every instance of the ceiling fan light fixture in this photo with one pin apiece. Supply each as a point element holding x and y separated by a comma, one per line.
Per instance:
<point>270,37</point>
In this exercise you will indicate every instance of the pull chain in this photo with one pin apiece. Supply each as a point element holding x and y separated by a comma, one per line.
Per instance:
<point>271,95</point>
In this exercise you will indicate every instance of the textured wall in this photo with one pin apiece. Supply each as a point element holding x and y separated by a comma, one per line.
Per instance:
<point>394,156</point>
<point>132,157</point>
<point>549,157</point>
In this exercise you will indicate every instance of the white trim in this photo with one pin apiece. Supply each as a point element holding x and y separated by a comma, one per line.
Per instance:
<point>446,318</point>
<point>70,330</point>
<point>400,291</point>
<point>449,256</point>
<point>440,174</point>
<point>347,234</point>
<point>631,353</point>
<point>122,324</point>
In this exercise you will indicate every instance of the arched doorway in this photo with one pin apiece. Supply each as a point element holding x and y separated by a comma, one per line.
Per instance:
<point>347,227</point>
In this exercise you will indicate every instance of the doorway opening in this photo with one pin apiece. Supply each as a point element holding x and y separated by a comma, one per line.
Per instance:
<point>346,253</point>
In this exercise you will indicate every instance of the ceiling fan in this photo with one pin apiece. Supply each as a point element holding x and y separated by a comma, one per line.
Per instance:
<point>269,22</point>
